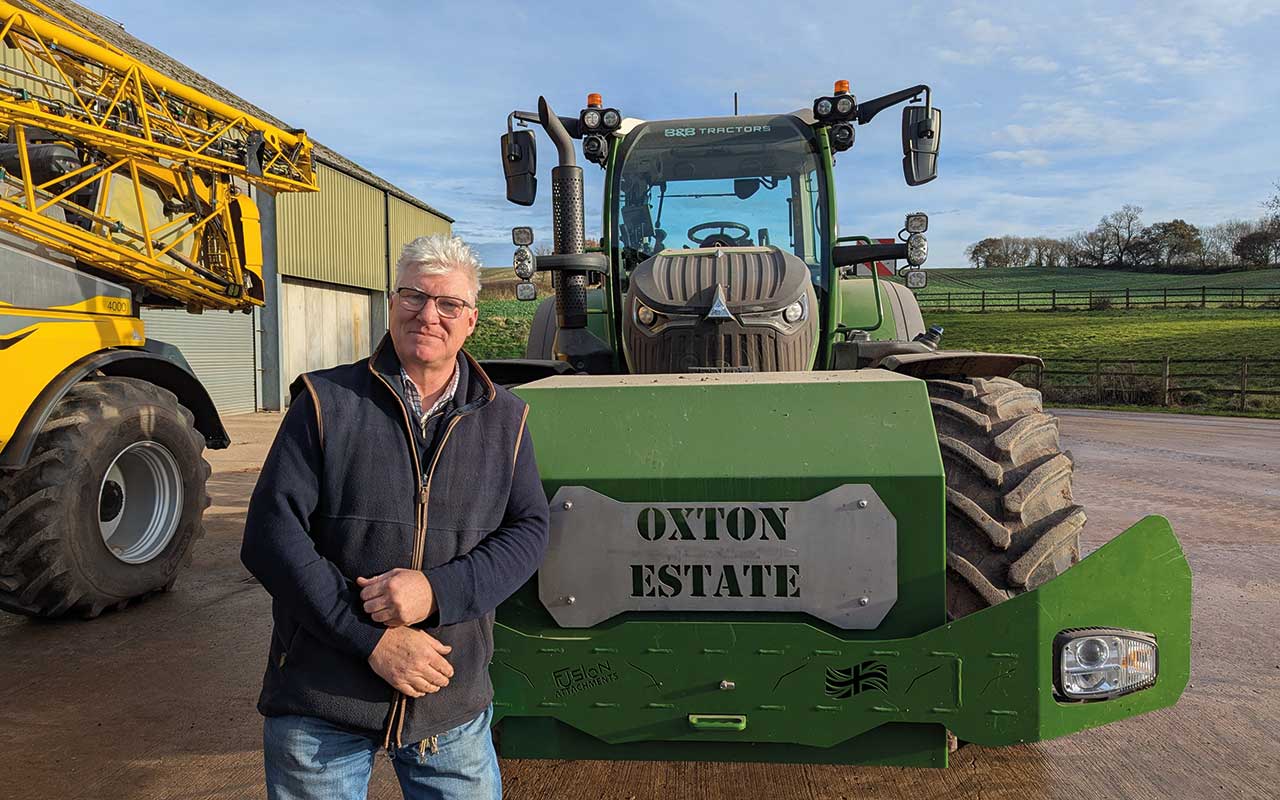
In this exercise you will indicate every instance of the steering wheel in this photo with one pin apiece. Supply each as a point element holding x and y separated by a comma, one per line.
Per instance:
<point>721,238</point>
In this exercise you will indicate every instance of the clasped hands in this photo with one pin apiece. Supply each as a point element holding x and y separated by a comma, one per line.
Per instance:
<point>412,661</point>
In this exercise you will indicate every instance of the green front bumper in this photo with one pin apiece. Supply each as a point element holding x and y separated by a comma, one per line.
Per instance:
<point>653,689</point>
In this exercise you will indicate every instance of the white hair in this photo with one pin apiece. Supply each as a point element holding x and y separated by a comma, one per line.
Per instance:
<point>438,255</point>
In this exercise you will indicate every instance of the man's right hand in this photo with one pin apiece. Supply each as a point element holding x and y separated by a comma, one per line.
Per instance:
<point>412,661</point>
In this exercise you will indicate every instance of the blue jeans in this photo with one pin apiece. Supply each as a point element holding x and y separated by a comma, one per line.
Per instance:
<point>309,759</point>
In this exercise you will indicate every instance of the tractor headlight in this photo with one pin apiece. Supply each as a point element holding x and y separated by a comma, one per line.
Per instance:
<point>1101,663</point>
<point>645,314</point>
<point>591,119</point>
<point>794,312</point>
<point>844,105</point>
<point>611,119</point>
<point>917,249</point>
<point>823,107</point>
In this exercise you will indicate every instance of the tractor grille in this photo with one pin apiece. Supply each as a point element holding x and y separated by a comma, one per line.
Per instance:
<point>748,276</point>
<point>727,344</point>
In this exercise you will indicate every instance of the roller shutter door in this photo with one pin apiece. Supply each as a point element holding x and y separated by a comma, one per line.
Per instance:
<point>219,346</point>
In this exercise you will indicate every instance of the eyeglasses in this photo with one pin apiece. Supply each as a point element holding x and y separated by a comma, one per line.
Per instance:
<point>448,307</point>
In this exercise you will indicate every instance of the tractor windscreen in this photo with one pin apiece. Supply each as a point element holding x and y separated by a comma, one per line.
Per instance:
<point>729,181</point>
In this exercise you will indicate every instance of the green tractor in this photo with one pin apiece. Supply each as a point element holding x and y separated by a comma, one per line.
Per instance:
<point>785,524</point>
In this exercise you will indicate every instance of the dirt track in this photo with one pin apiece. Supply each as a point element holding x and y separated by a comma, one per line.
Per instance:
<point>158,702</point>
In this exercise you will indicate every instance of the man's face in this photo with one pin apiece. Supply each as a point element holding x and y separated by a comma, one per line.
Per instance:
<point>424,338</point>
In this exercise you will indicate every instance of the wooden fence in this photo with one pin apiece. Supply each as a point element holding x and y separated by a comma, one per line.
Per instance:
<point>1099,299</point>
<point>1242,384</point>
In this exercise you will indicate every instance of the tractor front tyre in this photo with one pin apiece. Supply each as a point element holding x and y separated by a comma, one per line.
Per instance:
<point>109,505</point>
<point>1011,521</point>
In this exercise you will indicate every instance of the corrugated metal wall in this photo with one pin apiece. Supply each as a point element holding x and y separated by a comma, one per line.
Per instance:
<point>336,235</point>
<point>219,347</point>
<point>407,222</point>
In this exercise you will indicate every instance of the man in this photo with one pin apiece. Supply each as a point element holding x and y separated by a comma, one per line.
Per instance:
<point>400,503</point>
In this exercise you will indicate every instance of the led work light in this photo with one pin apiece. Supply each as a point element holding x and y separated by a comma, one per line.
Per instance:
<point>595,119</point>
<point>522,263</point>
<point>917,222</point>
<point>837,107</point>
<point>917,249</point>
<point>1102,663</point>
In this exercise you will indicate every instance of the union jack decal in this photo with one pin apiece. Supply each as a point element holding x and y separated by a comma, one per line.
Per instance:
<point>845,683</point>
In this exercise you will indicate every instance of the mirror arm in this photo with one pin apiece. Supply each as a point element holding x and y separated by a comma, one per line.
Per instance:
<point>570,123</point>
<point>868,109</point>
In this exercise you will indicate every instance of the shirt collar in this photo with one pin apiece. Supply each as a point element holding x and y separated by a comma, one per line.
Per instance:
<point>415,397</point>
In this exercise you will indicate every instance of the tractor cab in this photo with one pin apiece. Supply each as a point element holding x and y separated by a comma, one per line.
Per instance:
<point>719,227</point>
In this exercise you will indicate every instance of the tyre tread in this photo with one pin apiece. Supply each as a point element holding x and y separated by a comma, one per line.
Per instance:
<point>1011,520</point>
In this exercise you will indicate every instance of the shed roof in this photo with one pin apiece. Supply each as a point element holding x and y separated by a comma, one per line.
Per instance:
<point>114,32</point>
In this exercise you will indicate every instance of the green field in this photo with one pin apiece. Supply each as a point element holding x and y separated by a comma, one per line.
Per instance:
<point>1029,279</point>
<point>1153,333</point>
<point>502,330</point>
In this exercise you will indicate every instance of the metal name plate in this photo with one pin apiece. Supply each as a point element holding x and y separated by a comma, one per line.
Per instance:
<point>834,557</point>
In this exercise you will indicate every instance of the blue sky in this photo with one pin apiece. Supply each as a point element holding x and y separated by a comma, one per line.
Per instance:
<point>1054,114</point>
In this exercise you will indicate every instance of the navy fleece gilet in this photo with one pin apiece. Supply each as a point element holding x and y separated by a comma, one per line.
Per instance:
<point>337,499</point>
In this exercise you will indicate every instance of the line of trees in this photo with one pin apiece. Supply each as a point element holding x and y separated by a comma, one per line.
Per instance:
<point>1122,241</point>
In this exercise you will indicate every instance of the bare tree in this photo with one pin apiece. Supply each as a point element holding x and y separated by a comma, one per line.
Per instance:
<point>1123,229</point>
<point>1090,248</point>
<point>1220,241</point>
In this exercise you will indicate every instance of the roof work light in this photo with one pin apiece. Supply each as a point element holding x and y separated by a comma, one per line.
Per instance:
<point>837,107</point>
<point>597,119</point>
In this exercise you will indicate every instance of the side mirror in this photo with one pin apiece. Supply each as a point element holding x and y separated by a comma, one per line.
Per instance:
<point>520,166</point>
<point>921,135</point>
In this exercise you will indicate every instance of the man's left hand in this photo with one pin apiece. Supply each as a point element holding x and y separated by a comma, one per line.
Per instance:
<point>398,597</point>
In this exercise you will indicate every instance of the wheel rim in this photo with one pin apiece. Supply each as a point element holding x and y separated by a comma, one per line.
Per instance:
<point>140,502</point>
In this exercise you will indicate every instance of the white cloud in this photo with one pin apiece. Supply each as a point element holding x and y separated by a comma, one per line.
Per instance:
<point>971,57</point>
<point>984,31</point>
<point>1035,64</point>
<point>1027,158</point>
